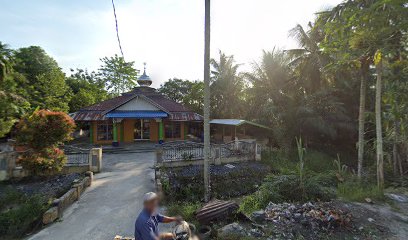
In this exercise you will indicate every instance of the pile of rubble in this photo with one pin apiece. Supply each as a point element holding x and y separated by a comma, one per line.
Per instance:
<point>315,215</point>
<point>309,219</point>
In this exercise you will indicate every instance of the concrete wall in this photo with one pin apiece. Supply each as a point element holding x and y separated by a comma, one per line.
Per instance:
<point>7,164</point>
<point>59,205</point>
<point>9,169</point>
<point>127,126</point>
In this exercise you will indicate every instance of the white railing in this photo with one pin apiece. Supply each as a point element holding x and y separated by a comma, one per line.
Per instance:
<point>192,151</point>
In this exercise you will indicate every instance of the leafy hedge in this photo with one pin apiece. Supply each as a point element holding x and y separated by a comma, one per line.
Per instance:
<point>19,214</point>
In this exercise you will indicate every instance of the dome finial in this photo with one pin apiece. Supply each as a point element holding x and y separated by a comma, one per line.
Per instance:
<point>144,80</point>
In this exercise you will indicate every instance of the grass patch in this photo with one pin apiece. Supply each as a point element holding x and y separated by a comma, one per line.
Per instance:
<point>184,209</point>
<point>19,213</point>
<point>287,163</point>
<point>318,162</point>
<point>355,191</point>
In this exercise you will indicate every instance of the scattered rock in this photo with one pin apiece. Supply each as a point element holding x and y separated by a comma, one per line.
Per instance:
<point>397,197</point>
<point>368,200</point>
<point>256,233</point>
<point>258,216</point>
<point>371,220</point>
<point>232,229</point>
<point>117,237</point>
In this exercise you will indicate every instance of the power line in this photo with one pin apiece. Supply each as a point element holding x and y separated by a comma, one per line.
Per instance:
<point>117,29</point>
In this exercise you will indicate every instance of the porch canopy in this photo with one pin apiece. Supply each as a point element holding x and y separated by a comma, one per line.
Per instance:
<point>226,130</point>
<point>137,114</point>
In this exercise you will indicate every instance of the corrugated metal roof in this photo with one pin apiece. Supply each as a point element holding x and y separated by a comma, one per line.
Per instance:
<point>175,110</point>
<point>185,116</point>
<point>216,210</point>
<point>136,114</point>
<point>236,122</point>
<point>109,104</point>
<point>88,116</point>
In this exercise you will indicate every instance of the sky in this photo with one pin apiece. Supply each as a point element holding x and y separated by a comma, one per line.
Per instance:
<point>166,34</point>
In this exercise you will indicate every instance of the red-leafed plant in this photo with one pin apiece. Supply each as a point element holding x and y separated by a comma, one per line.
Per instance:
<point>41,133</point>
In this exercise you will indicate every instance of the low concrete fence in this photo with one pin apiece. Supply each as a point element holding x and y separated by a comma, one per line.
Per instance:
<point>184,153</point>
<point>79,161</point>
<point>7,164</point>
<point>59,205</point>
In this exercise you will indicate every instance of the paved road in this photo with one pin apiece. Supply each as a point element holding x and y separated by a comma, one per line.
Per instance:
<point>111,204</point>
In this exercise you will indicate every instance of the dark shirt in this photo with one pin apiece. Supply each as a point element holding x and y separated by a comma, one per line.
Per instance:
<point>146,225</point>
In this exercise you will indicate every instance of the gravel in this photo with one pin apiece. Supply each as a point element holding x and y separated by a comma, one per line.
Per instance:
<point>216,170</point>
<point>48,187</point>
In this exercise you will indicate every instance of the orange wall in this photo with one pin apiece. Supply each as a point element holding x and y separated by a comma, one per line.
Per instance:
<point>154,131</point>
<point>128,127</point>
<point>128,131</point>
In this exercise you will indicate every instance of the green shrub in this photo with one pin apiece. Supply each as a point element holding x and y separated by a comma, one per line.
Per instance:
<point>287,188</point>
<point>318,162</point>
<point>280,161</point>
<point>356,191</point>
<point>18,213</point>
<point>250,204</point>
<point>41,133</point>
<point>44,129</point>
<point>43,162</point>
<point>185,210</point>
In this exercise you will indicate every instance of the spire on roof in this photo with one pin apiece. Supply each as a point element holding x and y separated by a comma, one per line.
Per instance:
<point>144,80</point>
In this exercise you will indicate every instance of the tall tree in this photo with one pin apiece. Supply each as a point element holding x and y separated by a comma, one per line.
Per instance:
<point>190,93</point>
<point>227,88</point>
<point>176,89</point>
<point>12,105</point>
<point>372,28</point>
<point>119,76</point>
<point>309,59</point>
<point>43,84</point>
<point>378,121</point>
<point>87,89</point>
<point>5,60</point>
<point>340,38</point>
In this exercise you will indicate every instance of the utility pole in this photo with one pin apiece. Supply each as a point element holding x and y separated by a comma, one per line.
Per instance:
<point>207,102</point>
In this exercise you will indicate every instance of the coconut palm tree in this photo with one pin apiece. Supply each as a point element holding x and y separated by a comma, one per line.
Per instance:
<point>308,60</point>
<point>5,60</point>
<point>226,88</point>
<point>278,97</point>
